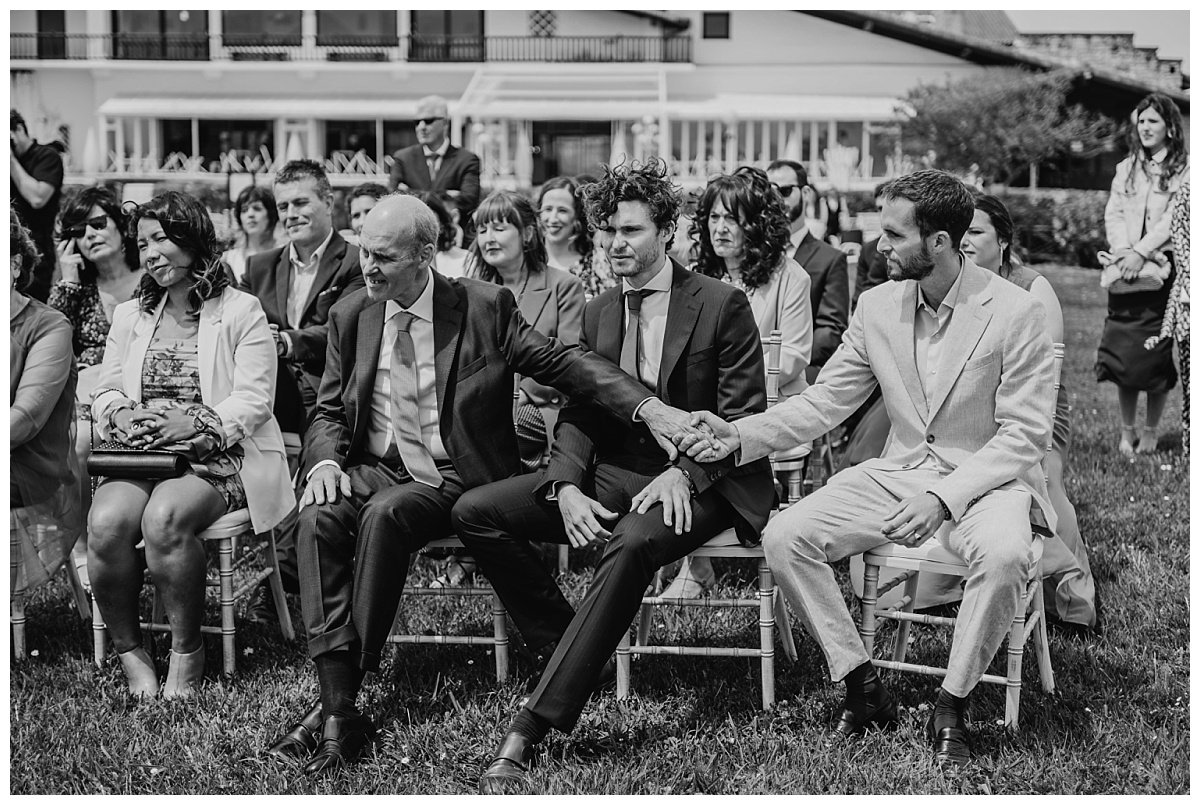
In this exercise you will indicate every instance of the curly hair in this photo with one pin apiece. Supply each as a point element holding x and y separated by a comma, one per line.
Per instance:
<point>263,196</point>
<point>186,223</point>
<point>21,245</point>
<point>1177,144</point>
<point>78,207</point>
<point>648,183</point>
<point>749,197</point>
<point>513,208</point>
<point>445,223</point>
<point>581,239</point>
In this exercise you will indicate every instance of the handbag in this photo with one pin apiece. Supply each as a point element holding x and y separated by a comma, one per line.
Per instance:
<point>112,459</point>
<point>1151,278</point>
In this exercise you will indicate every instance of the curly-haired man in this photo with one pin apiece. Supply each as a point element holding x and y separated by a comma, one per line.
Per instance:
<point>693,340</point>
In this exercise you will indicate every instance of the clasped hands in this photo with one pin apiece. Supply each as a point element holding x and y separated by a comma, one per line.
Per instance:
<point>148,429</point>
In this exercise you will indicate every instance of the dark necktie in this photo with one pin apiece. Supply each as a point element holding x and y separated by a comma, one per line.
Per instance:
<point>406,422</point>
<point>631,346</point>
<point>432,160</point>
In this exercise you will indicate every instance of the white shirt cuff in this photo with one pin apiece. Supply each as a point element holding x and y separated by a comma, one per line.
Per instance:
<point>318,465</point>
<point>637,411</point>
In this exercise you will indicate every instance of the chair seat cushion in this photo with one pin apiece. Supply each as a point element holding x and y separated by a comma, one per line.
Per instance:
<point>233,524</point>
<point>932,550</point>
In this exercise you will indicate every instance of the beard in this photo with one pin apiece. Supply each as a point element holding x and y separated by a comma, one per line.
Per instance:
<point>916,267</point>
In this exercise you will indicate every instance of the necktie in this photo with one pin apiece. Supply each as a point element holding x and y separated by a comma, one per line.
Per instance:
<point>432,160</point>
<point>631,346</point>
<point>406,423</point>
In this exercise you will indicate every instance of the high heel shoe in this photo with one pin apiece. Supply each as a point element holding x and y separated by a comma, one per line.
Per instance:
<point>460,571</point>
<point>695,579</point>
<point>184,674</point>
<point>139,672</point>
<point>1148,443</point>
<point>1128,440</point>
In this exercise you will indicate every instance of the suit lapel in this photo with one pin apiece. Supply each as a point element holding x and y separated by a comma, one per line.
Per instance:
<point>966,327</point>
<point>806,249</point>
<point>206,343</point>
<point>366,361</point>
<point>682,313</point>
<point>142,332</point>
<point>903,337</point>
<point>283,284</point>
<point>611,328</point>
<point>534,299</point>
<point>330,262</point>
<point>447,332</point>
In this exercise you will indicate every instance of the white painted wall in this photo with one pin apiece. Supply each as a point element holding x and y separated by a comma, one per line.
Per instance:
<point>23,21</point>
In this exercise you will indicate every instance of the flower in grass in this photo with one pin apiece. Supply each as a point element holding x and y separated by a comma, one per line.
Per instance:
<point>1165,467</point>
<point>33,653</point>
<point>247,651</point>
<point>470,662</point>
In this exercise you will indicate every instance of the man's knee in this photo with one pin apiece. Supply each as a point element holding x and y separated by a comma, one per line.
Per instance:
<point>1008,557</point>
<point>476,510</point>
<point>788,536</point>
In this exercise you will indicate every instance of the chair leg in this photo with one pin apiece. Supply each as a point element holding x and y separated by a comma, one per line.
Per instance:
<point>17,617</point>
<point>276,582</point>
<point>623,657</point>
<point>1016,652</point>
<point>228,630</point>
<point>99,636</point>
<point>78,593</point>
<point>1041,641</point>
<point>500,638</point>
<point>766,624</point>
<point>866,623</point>
<point>646,612</point>
<point>783,622</point>
<point>910,592</point>
<point>564,560</point>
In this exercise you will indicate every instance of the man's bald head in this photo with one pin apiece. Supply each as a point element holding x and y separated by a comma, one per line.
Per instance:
<point>396,247</point>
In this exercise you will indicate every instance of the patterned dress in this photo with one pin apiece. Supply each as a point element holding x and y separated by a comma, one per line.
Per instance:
<point>1177,322</point>
<point>80,303</point>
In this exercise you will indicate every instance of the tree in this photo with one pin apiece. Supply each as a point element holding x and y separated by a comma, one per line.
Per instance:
<point>1000,122</point>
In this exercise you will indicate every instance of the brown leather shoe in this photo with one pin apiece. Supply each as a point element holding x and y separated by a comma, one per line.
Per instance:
<point>299,741</point>
<point>509,771</point>
<point>342,740</point>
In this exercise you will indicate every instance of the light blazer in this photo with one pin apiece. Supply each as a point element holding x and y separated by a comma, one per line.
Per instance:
<point>826,267</point>
<point>459,171</point>
<point>1127,209</point>
<point>712,360</point>
<point>480,341</point>
<point>553,303</point>
<point>237,380</point>
<point>268,277</point>
<point>990,410</point>
<point>783,304</point>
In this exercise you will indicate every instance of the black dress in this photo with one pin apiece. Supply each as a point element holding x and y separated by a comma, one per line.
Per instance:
<point>1122,357</point>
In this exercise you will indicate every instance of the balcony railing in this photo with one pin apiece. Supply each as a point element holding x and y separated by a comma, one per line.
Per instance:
<point>415,47</point>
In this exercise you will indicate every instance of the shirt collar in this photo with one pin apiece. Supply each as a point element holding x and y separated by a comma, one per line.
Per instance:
<point>951,295</point>
<point>422,308</point>
<point>17,303</point>
<point>316,255</point>
<point>1160,156</point>
<point>440,151</point>
<point>661,281</point>
<point>798,234</point>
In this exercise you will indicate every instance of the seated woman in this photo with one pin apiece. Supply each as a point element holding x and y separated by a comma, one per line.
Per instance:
<point>44,513</point>
<point>190,365</point>
<point>450,260</point>
<point>1071,590</point>
<point>255,216</point>
<point>98,269</point>
<point>569,244</point>
<point>741,232</point>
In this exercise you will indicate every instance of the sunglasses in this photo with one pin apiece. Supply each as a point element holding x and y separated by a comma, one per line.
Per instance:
<point>80,229</point>
<point>429,121</point>
<point>785,190</point>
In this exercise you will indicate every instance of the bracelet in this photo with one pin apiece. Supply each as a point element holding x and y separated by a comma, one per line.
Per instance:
<point>687,476</point>
<point>945,508</point>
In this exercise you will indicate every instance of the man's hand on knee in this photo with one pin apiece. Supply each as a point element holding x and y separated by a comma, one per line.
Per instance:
<point>914,520</point>
<point>323,486</point>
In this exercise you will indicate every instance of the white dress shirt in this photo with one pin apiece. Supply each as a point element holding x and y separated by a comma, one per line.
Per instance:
<point>929,332</point>
<point>654,321</point>
<point>303,276</point>
<point>436,156</point>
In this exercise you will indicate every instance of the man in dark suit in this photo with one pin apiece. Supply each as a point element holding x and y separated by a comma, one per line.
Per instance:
<point>872,266</point>
<point>415,407</point>
<point>297,284</point>
<point>826,266</point>
<point>694,340</point>
<point>436,165</point>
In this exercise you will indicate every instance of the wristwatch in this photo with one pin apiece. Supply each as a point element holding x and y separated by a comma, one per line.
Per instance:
<point>687,477</point>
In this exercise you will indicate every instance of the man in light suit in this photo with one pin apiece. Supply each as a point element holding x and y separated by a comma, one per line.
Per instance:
<point>415,407</point>
<point>692,339</point>
<point>434,164</point>
<point>826,266</point>
<point>966,370</point>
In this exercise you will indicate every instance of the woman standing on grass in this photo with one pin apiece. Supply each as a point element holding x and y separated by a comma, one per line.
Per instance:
<point>1138,226</point>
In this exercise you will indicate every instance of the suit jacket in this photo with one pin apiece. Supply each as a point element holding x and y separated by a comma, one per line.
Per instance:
<point>480,340</point>
<point>711,360</point>
<point>237,380</point>
<point>872,271</point>
<point>268,276</point>
<point>826,267</point>
<point>459,171</point>
<point>553,304</point>
<point>1139,217</point>
<point>989,411</point>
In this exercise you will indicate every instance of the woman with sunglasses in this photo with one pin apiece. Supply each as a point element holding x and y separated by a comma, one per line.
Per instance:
<point>98,269</point>
<point>190,365</point>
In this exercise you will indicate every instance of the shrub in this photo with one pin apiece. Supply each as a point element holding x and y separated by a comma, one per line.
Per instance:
<point>1059,226</point>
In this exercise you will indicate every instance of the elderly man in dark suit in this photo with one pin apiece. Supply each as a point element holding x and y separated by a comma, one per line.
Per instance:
<point>826,266</point>
<point>694,340</point>
<point>297,284</point>
<point>415,407</point>
<point>434,164</point>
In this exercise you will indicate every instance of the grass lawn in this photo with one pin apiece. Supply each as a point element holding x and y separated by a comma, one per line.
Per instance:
<point>1117,724</point>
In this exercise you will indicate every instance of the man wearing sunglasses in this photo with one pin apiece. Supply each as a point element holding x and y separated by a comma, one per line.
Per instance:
<point>34,188</point>
<point>826,266</point>
<point>436,165</point>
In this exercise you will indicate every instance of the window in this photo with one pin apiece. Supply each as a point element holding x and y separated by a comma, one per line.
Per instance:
<point>244,137</point>
<point>277,28</point>
<point>447,36</point>
<point>357,28</point>
<point>345,138</point>
<point>51,34</point>
<point>716,24</point>
<point>175,34</point>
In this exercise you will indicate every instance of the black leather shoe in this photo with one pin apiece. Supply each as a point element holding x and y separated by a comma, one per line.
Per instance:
<point>342,740</point>
<point>608,676</point>
<point>880,712</point>
<point>299,741</point>
<point>509,770</point>
<point>950,745</point>
<point>262,605</point>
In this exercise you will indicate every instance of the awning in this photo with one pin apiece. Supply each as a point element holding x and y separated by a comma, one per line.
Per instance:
<point>210,108</point>
<point>787,107</point>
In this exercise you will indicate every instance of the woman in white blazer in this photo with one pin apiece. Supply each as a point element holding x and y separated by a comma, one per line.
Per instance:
<point>189,364</point>
<point>741,232</point>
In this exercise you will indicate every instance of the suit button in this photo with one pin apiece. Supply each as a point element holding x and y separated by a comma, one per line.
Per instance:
<point>641,440</point>
<point>929,438</point>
